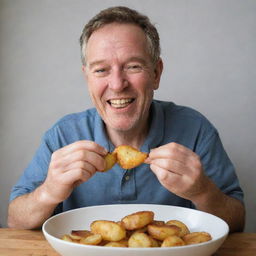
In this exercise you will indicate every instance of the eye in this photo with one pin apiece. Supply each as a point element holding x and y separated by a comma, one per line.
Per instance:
<point>134,68</point>
<point>100,71</point>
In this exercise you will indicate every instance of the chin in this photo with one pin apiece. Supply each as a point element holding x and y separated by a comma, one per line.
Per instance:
<point>122,126</point>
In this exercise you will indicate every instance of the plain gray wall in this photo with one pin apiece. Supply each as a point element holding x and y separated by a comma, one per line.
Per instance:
<point>208,48</point>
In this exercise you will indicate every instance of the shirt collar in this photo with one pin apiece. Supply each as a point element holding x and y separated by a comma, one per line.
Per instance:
<point>153,139</point>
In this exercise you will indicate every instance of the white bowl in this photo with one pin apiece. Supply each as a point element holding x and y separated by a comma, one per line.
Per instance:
<point>55,227</point>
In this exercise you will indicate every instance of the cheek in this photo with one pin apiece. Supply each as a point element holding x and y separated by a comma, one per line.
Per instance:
<point>139,83</point>
<point>145,88</point>
<point>96,89</point>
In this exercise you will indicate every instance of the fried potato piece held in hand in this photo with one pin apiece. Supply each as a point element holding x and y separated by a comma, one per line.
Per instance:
<point>111,160</point>
<point>129,157</point>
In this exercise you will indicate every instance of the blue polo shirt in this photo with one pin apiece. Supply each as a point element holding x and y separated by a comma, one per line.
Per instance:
<point>168,123</point>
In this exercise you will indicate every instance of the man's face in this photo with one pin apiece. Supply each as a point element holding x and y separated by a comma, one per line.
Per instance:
<point>120,75</point>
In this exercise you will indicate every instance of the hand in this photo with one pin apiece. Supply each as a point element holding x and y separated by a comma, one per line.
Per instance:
<point>179,170</point>
<point>70,166</point>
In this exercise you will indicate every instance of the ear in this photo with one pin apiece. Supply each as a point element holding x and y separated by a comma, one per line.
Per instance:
<point>158,72</point>
<point>84,70</point>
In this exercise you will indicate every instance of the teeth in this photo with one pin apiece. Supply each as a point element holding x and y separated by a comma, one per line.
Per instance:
<point>120,103</point>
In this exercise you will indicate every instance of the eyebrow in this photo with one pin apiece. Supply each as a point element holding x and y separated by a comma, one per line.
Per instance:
<point>139,59</point>
<point>95,63</point>
<point>135,58</point>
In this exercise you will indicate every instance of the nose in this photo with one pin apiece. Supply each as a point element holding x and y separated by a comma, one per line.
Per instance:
<point>117,80</point>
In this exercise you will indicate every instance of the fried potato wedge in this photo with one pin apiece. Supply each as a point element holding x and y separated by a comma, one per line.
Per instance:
<point>129,157</point>
<point>109,230</point>
<point>115,244</point>
<point>79,234</point>
<point>181,225</point>
<point>197,237</point>
<point>158,222</point>
<point>141,230</point>
<point>91,239</point>
<point>111,159</point>
<point>171,241</point>
<point>138,240</point>
<point>154,242</point>
<point>160,232</point>
<point>67,238</point>
<point>137,220</point>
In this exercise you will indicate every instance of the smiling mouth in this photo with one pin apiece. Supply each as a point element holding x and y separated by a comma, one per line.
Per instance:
<point>120,103</point>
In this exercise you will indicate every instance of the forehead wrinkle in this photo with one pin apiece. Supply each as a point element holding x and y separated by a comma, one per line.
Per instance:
<point>108,42</point>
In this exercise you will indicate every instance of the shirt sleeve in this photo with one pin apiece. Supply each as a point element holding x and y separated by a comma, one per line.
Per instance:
<point>218,166</point>
<point>36,172</point>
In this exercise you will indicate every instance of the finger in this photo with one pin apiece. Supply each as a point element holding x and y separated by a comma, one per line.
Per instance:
<point>82,155</point>
<point>168,150</point>
<point>83,165</point>
<point>147,160</point>
<point>170,165</point>
<point>173,151</point>
<point>75,176</point>
<point>81,145</point>
<point>177,184</point>
<point>165,177</point>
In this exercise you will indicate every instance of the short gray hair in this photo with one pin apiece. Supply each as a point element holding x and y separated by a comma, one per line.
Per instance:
<point>123,15</point>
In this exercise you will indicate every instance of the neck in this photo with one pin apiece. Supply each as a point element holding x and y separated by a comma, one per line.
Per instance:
<point>134,137</point>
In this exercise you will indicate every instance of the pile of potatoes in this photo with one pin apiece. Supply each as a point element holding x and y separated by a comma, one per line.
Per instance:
<point>137,230</point>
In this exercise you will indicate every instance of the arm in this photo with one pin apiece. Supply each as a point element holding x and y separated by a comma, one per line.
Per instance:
<point>29,211</point>
<point>180,171</point>
<point>214,201</point>
<point>69,167</point>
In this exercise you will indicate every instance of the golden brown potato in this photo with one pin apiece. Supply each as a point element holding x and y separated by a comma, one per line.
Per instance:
<point>139,240</point>
<point>158,222</point>
<point>111,160</point>
<point>124,241</point>
<point>129,157</point>
<point>160,232</point>
<point>137,220</point>
<point>91,239</point>
<point>141,230</point>
<point>109,230</point>
<point>78,234</point>
<point>115,244</point>
<point>154,242</point>
<point>67,238</point>
<point>171,241</point>
<point>197,237</point>
<point>181,225</point>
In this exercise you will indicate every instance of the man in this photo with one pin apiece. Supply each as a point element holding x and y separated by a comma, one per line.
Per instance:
<point>187,165</point>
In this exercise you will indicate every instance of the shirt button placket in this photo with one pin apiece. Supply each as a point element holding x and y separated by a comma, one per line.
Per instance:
<point>128,187</point>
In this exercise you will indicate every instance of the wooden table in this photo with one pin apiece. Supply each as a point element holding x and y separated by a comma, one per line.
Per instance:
<point>14,242</point>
